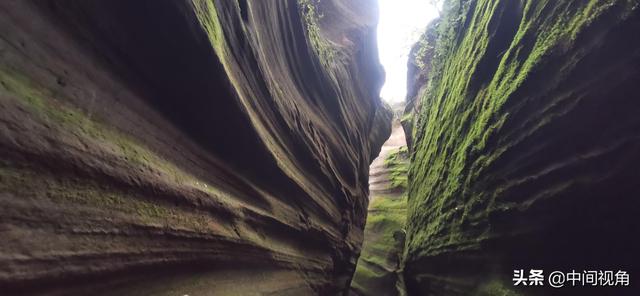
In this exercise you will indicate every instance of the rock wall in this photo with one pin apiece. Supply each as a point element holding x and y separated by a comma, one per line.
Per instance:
<point>526,147</point>
<point>419,65</point>
<point>200,147</point>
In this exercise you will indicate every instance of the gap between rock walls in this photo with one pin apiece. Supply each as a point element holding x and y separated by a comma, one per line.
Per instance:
<point>246,147</point>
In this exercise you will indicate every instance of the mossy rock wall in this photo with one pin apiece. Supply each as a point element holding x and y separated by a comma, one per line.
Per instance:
<point>203,147</point>
<point>527,146</point>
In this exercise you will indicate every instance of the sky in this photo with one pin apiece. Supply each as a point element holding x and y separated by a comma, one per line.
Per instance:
<point>401,24</point>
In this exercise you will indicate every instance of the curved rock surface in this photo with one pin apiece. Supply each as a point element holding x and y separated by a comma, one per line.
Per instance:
<point>526,148</point>
<point>186,147</point>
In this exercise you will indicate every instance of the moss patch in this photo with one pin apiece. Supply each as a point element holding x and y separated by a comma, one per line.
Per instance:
<point>398,164</point>
<point>82,194</point>
<point>377,272</point>
<point>500,73</point>
<point>41,103</point>
<point>312,16</point>
<point>463,106</point>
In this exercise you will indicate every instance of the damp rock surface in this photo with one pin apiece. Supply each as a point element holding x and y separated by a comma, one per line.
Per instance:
<point>525,147</point>
<point>378,271</point>
<point>186,147</point>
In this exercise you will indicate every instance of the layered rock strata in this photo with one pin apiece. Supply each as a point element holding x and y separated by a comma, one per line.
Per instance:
<point>186,147</point>
<point>378,271</point>
<point>526,147</point>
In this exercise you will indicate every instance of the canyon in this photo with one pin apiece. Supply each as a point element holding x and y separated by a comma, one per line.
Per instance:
<point>241,147</point>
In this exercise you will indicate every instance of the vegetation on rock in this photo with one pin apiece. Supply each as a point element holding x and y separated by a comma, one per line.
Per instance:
<point>523,132</point>
<point>185,147</point>
<point>379,270</point>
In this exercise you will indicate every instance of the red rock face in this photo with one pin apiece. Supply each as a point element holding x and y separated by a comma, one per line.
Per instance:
<point>177,147</point>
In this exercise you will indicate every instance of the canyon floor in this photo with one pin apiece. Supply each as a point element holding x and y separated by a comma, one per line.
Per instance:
<point>379,173</point>
<point>378,270</point>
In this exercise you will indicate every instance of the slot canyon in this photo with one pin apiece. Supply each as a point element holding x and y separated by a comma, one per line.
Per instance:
<point>242,147</point>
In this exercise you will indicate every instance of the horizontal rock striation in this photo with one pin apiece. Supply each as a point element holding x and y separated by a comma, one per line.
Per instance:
<point>378,271</point>
<point>186,147</point>
<point>526,147</point>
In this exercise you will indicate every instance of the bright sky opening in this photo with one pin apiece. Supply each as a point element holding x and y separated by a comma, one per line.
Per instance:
<point>400,26</point>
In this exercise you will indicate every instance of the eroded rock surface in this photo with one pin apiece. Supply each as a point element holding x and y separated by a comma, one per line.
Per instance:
<point>379,271</point>
<point>185,147</point>
<point>419,66</point>
<point>526,147</point>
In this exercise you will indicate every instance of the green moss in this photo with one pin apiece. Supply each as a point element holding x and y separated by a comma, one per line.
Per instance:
<point>367,281</point>
<point>425,47</point>
<point>398,164</point>
<point>208,17</point>
<point>43,106</point>
<point>80,193</point>
<point>377,269</point>
<point>311,16</point>
<point>463,107</point>
<point>407,117</point>
<point>386,216</point>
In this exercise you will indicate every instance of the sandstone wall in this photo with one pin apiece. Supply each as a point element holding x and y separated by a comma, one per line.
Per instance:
<point>186,147</point>
<point>526,147</point>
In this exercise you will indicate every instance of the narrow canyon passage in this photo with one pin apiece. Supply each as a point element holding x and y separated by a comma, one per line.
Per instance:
<point>380,179</point>
<point>260,148</point>
<point>378,269</point>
